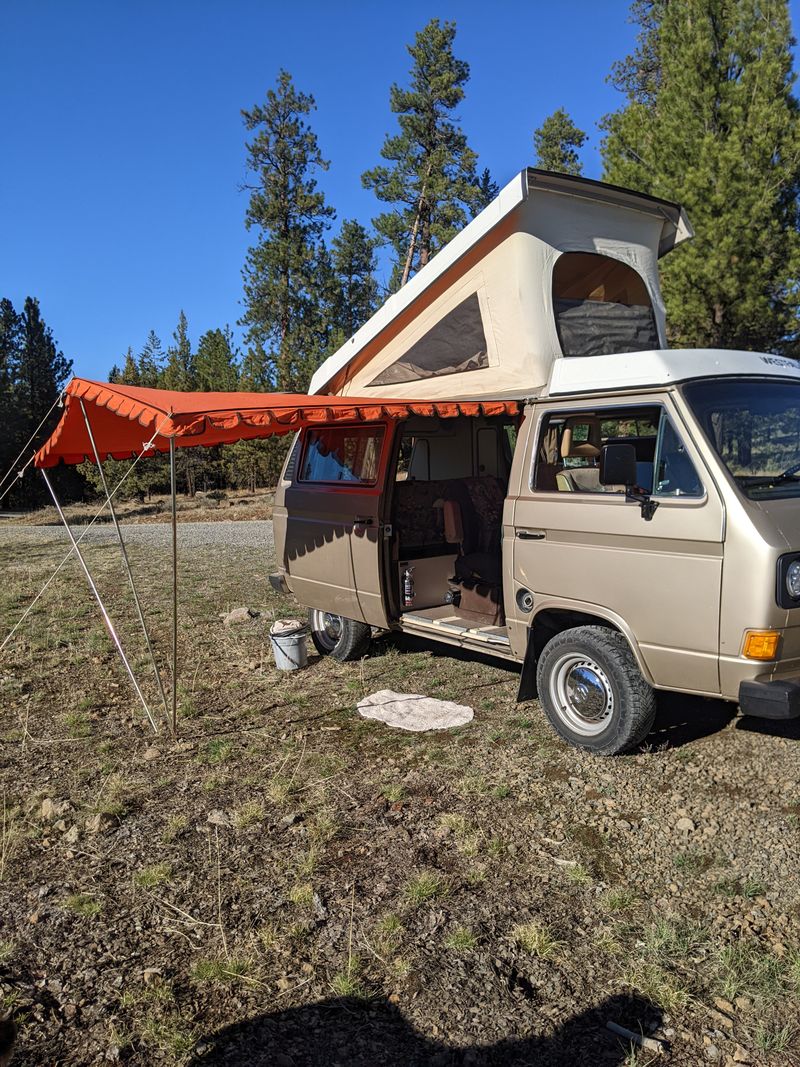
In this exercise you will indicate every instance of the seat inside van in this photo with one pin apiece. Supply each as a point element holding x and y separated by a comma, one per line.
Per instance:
<point>451,483</point>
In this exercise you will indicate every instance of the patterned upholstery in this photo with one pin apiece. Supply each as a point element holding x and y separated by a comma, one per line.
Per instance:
<point>480,501</point>
<point>419,523</point>
<point>478,569</point>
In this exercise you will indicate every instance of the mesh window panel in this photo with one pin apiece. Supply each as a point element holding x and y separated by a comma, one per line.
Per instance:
<point>601,305</point>
<point>597,328</point>
<point>456,344</point>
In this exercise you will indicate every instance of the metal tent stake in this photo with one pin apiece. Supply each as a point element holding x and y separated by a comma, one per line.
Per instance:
<point>126,562</point>
<point>106,616</point>
<point>174,588</point>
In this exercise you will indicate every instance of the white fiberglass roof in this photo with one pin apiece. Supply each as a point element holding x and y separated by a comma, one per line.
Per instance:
<point>627,370</point>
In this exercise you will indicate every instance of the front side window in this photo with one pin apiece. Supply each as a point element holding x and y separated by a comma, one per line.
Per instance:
<point>457,343</point>
<point>342,454</point>
<point>754,426</point>
<point>601,305</point>
<point>570,447</point>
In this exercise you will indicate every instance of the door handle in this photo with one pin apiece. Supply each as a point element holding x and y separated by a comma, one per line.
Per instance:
<point>530,535</point>
<point>363,520</point>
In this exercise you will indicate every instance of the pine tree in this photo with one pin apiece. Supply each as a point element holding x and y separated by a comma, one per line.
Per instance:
<point>42,369</point>
<point>557,142</point>
<point>10,420</point>
<point>355,286</point>
<point>33,372</point>
<point>487,189</point>
<point>711,122</point>
<point>215,362</point>
<point>289,214</point>
<point>151,362</point>
<point>179,372</point>
<point>128,374</point>
<point>430,176</point>
<point>130,371</point>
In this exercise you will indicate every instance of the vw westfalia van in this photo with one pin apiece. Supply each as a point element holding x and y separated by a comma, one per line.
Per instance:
<point>631,523</point>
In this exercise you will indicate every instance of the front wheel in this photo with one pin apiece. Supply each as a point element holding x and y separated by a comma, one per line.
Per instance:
<point>344,639</point>
<point>593,692</point>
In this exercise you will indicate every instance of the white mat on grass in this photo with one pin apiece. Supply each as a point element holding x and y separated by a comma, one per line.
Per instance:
<point>411,711</point>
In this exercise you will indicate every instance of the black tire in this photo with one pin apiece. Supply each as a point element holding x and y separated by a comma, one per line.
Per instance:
<point>592,690</point>
<point>344,639</point>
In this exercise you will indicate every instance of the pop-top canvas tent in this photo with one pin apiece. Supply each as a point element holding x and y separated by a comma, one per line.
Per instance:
<point>555,266</point>
<point>102,421</point>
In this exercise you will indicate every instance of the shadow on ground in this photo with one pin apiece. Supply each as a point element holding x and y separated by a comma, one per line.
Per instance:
<point>358,1033</point>
<point>681,719</point>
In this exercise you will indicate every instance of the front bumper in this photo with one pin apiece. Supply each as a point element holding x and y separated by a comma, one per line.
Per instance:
<point>779,699</point>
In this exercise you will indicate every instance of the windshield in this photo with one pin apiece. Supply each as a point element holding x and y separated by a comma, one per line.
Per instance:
<point>754,425</point>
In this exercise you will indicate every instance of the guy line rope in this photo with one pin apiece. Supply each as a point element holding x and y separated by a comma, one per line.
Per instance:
<point>58,402</point>
<point>146,448</point>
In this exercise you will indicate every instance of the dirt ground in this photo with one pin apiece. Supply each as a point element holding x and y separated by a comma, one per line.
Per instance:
<point>289,884</point>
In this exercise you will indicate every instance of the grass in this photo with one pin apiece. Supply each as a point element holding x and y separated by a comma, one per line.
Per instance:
<point>746,968</point>
<point>438,883</point>
<point>176,824</point>
<point>249,814</point>
<point>388,934</point>
<point>461,939</point>
<point>83,904</point>
<point>657,984</point>
<point>221,970</point>
<point>302,895</point>
<point>216,751</point>
<point>693,862</point>
<point>170,1036</point>
<point>393,793</point>
<point>537,939</point>
<point>578,875</point>
<point>425,885</point>
<point>619,899</point>
<point>348,982</point>
<point>150,877</point>
<point>78,724</point>
<point>773,1035</point>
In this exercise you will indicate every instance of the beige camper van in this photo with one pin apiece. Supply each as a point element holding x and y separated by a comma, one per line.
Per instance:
<point>631,523</point>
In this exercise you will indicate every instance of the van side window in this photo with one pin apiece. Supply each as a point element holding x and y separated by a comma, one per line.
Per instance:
<point>568,455</point>
<point>601,305</point>
<point>342,454</point>
<point>675,474</point>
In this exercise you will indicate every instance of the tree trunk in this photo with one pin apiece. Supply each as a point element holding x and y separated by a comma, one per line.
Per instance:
<point>415,228</point>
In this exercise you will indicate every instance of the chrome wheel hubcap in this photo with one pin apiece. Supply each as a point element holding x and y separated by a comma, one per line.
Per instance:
<point>581,694</point>
<point>328,628</point>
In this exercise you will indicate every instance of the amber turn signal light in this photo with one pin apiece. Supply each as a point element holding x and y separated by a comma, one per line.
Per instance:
<point>761,644</point>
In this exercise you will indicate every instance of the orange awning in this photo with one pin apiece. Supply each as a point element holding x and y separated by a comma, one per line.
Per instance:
<point>124,418</point>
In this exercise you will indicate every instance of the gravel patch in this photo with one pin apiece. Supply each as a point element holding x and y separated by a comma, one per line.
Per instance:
<point>243,533</point>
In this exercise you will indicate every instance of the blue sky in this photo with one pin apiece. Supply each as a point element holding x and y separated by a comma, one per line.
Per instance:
<point>123,145</point>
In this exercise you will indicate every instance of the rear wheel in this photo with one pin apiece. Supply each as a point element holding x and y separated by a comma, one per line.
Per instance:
<point>344,639</point>
<point>593,692</point>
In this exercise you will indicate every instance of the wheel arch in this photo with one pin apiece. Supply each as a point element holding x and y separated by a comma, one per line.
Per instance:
<point>553,617</point>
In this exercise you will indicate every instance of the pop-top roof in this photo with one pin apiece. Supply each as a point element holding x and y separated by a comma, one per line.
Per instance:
<point>674,228</point>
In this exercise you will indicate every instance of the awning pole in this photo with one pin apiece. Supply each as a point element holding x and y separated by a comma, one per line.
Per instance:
<point>106,616</point>
<point>174,588</point>
<point>126,561</point>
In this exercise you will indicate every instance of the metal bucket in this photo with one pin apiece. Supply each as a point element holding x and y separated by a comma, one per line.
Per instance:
<point>288,639</point>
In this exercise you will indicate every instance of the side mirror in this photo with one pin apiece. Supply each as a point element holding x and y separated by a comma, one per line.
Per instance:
<point>618,465</point>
